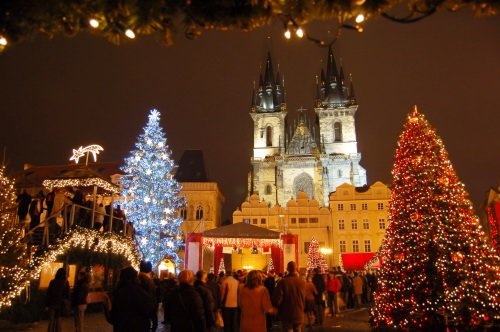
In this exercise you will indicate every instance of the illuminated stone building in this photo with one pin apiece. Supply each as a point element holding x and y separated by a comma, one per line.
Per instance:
<point>309,155</point>
<point>203,198</point>
<point>304,173</point>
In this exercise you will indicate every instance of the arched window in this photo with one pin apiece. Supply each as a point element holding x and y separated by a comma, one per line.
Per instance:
<point>199,213</point>
<point>183,213</point>
<point>269,136</point>
<point>269,189</point>
<point>337,131</point>
<point>303,182</point>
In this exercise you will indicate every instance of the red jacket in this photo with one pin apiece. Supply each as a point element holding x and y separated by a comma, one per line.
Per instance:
<point>333,285</point>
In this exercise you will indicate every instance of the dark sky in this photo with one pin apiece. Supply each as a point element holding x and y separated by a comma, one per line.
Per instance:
<point>63,93</point>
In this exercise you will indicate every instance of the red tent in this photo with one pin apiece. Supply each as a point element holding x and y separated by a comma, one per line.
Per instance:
<point>356,261</point>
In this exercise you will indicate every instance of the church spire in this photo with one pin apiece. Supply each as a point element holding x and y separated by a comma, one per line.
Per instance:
<point>271,92</point>
<point>333,91</point>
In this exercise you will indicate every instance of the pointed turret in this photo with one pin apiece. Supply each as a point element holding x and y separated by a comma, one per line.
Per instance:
<point>352,95</point>
<point>333,91</point>
<point>270,94</point>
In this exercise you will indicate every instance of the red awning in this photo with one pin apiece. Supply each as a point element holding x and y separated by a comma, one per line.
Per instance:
<point>357,261</point>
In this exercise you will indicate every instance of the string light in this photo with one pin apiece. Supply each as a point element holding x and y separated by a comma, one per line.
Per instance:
<point>94,23</point>
<point>299,32</point>
<point>3,41</point>
<point>360,18</point>
<point>130,33</point>
<point>92,240</point>
<point>85,182</point>
<point>288,34</point>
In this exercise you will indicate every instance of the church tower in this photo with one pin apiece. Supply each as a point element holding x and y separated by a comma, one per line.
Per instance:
<point>268,113</point>
<point>335,108</point>
<point>309,155</point>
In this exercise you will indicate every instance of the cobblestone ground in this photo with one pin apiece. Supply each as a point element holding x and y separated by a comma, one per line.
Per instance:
<point>353,320</point>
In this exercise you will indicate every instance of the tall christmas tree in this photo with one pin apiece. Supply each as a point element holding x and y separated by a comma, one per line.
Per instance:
<point>12,251</point>
<point>315,259</point>
<point>150,192</point>
<point>437,273</point>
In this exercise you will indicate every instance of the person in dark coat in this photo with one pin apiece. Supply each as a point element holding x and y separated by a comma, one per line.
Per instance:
<point>131,305</point>
<point>290,298</point>
<point>185,311</point>
<point>215,289</point>
<point>79,299</point>
<point>270,284</point>
<point>23,204</point>
<point>148,284</point>
<point>208,299</point>
<point>319,282</point>
<point>57,294</point>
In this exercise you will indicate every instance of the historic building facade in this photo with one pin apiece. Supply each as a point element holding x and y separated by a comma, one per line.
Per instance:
<point>203,197</point>
<point>306,178</point>
<point>309,155</point>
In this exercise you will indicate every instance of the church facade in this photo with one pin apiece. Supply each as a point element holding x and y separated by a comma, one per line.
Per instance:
<point>311,155</point>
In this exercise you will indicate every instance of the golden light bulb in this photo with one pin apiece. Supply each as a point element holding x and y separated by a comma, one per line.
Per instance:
<point>360,18</point>
<point>94,23</point>
<point>299,33</point>
<point>129,33</point>
<point>288,34</point>
<point>3,41</point>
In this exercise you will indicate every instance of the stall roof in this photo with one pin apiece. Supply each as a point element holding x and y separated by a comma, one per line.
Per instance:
<point>241,230</point>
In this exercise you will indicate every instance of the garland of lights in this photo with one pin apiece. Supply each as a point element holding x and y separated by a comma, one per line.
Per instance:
<point>118,20</point>
<point>84,238</point>
<point>241,242</point>
<point>86,182</point>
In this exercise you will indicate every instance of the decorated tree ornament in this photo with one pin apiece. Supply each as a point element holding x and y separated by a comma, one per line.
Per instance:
<point>457,256</point>
<point>414,216</point>
<point>444,180</point>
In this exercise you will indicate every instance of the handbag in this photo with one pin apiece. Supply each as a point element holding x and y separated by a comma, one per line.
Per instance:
<point>219,321</point>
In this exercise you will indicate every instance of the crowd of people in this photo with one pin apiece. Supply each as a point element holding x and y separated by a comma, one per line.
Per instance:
<point>235,301</point>
<point>52,207</point>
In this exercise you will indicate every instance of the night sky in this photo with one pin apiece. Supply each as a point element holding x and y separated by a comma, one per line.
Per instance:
<point>59,94</point>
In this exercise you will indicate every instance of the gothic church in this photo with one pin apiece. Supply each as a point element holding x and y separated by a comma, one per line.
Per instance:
<point>314,156</point>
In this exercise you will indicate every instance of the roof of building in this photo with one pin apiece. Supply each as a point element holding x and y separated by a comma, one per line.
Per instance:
<point>33,176</point>
<point>242,230</point>
<point>191,167</point>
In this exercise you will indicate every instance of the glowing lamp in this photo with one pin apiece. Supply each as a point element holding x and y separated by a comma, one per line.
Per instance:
<point>360,18</point>
<point>325,251</point>
<point>3,41</point>
<point>130,33</point>
<point>94,23</point>
<point>288,34</point>
<point>299,32</point>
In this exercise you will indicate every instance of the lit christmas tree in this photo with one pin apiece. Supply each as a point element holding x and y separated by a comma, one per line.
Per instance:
<point>314,257</point>
<point>270,265</point>
<point>150,192</point>
<point>437,273</point>
<point>12,251</point>
<point>222,267</point>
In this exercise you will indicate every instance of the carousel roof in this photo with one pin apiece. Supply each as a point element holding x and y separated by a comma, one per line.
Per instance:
<point>241,230</point>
